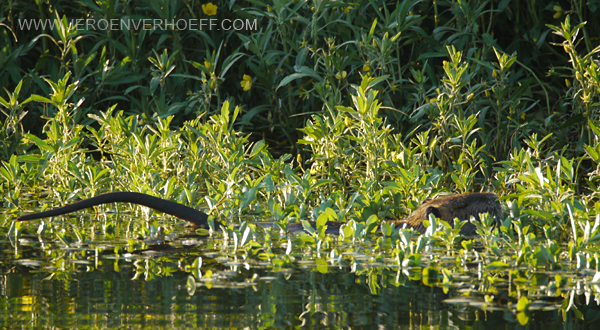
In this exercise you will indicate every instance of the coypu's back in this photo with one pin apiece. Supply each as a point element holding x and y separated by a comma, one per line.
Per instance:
<point>461,206</point>
<point>447,208</point>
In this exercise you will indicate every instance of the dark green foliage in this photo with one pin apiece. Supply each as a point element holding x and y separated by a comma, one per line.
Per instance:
<point>301,58</point>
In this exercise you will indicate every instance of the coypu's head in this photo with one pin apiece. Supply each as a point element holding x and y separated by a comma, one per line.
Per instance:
<point>461,206</point>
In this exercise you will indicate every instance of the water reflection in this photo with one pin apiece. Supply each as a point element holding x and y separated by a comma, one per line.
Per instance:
<point>101,285</point>
<point>107,298</point>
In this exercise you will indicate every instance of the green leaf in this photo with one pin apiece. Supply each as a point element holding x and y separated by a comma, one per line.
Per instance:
<point>39,142</point>
<point>308,227</point>
<point>229,61</point>
<point>38,98</point>
<point>373,26</point>
<point>328,215</point>
<point>386,229</point>
<point>372,223</point>
<point>302,72</point>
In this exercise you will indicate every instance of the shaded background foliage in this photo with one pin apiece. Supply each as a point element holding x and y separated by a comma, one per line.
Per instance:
<point>302,59</point>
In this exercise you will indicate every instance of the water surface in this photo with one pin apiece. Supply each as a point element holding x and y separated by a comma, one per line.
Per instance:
<point>116,277</point>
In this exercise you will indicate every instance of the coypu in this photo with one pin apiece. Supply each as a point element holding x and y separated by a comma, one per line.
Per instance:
<point>461,206</point>
<point>447,208</point>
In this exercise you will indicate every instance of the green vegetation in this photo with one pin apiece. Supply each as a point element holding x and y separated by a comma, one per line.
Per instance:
<point>382,105</point>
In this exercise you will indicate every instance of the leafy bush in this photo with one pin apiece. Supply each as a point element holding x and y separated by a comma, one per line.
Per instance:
<point>382,106</point>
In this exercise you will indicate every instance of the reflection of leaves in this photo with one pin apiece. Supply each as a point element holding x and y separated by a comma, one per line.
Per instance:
<point>522,318</point>
<point>497,264</point>
<point>321,266</point>
<point>191,285</point>
<point>63,238</point>
<point>14,232</point>
<point>373,285</point>
<point>522,309</point>
<point>430,276</point>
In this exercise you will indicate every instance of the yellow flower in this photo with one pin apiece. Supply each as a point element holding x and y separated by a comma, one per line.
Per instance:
<point>367,66</point>
<point>207,64</point>
<point>209,9</point>
<point>470,97</point>
<point>246,82</point>
<point>347,10</point>
<point>567,82</point>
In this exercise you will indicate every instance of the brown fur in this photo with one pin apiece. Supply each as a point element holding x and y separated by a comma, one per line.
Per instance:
<point>447,208</point>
